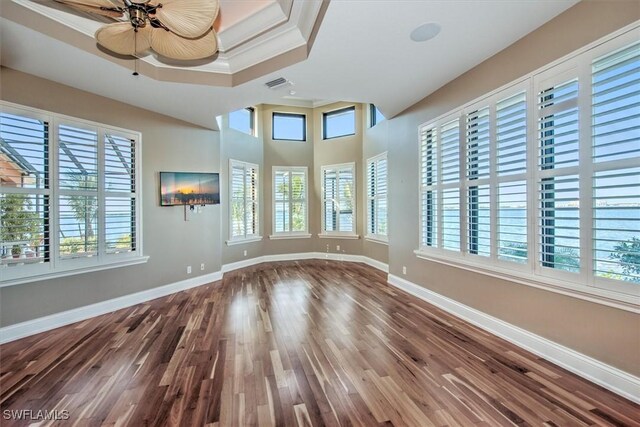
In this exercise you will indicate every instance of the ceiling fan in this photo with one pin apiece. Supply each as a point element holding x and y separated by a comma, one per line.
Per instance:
<point>176,29</point>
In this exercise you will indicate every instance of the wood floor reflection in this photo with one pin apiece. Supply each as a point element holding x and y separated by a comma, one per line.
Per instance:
<point>293,344</point>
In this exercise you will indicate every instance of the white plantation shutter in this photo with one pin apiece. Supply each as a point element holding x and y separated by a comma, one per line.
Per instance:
<point>120,194</point>
<point>244,193</point>
<point>478,170</point>
<point>68,194</point>
<point>428,188</point>
<point>377,196</point>
<point>547,184</point>
<point>338,199</point>
<point>615,109</point>
<point>558,180</point>
<point>290,200</point>
<point>78,191</point>
<point>25,208</point>
<point>511,175</point>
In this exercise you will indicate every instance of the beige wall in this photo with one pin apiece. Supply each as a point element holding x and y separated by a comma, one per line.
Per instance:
<point>607,334</point>
<point>169,241</point>
<point>313,154</point>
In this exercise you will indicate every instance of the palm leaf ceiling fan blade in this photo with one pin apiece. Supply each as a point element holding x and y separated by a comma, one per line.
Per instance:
<point>110,12</point>
<point>108,4</point>
<point>123,39</point>
<point>173,46</point>
<point>188,18</point>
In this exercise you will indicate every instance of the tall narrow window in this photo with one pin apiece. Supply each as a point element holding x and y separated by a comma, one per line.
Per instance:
<point>377,197</point>
<point>511,171</point>
<point>375,115</point>
<point>616,165</point>
<point>478,143</point>
<point>244,201</point>
<point>339,199</point>
<point>25,210</point>
<point>120,194</point>
<point>558,185</point>
<point>428,188</point>
<point>78,191</point>
<point>450,184</point>
<point>290,201</point>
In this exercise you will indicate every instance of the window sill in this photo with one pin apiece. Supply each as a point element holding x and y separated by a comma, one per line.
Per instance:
<point>243,241</point>
<point>283,236</point>
<point>618,300</point>
<point>71,272</point>
<point>376,239</point>
<point>338,236</point>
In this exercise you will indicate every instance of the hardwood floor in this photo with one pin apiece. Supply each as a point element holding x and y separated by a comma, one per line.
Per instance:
<point>293,343</point>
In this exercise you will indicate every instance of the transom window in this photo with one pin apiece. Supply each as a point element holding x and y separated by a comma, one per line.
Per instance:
<point>375,115</point>
<point>339,199</point>
<point>68,194</point>
<point>339,123</point>
<point>243,120</point>
<point>289,127</point>
<point>290,209</point>
<point>543,177</point>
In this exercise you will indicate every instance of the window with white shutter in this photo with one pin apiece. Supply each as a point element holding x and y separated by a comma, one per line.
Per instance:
<point>428,187</point>
<point>615,109</point>
<point>339,199</point>
<point>558,180</point>
<point>290,208</point>
<point>377,197</point>
<point>244,193</point>
<point>550,188</point>
<point>68,195</point>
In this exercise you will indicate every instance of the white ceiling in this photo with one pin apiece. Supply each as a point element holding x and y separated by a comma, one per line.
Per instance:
<point>362,53</point>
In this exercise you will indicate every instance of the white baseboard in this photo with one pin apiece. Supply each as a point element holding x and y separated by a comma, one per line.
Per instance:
<point>53,321</point>
<point>305,255</point>
<point>616,380</point>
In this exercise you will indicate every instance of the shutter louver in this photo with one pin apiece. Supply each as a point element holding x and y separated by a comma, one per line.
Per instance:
<point>451,219</point>
<point>298,201</point>
<point>512,221</point>
<point>558,126</point>
<point>478,144</point>
<point>450,152</point>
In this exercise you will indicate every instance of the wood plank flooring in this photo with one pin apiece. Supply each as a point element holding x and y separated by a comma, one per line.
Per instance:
<point>306,343</point>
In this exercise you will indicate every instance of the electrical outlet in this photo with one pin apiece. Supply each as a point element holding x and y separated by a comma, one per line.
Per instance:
<point>202,266</point>
<point>188,269</point>
<point>245,252</point>
<point>404,269</point>
<point>338,248</point>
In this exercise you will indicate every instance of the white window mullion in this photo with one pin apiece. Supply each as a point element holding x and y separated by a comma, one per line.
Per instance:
<point>101,232</point>
<point>493,182</point>
<point>585,174</point>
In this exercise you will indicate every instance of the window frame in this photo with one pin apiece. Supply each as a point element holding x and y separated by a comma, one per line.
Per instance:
<point>353,234</point>
<point>290,234</point>
<point>255,236</point>
<point>56,265</point>
<point>288,114</point>
<point>372,195</point>
<point>252,121</point>
<point>328,114</point>
<point>373,117</point>
<point>585,284</point>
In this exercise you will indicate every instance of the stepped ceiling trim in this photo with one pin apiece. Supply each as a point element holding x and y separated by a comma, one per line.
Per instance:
<point>256,37</point>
